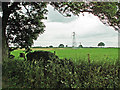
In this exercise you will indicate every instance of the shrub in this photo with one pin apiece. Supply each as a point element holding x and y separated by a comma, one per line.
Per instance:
<point>56,73</point>
<point>40,55</point>
<point>59,73</point>
<point>13,73</point>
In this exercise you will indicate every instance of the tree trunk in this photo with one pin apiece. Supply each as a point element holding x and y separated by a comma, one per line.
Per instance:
<point>5,49</point>
<point>6,13</point>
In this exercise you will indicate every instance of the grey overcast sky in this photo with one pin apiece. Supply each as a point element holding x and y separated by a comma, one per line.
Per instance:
<point>88,28</point>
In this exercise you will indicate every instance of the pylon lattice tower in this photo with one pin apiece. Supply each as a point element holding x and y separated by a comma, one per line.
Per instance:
<point>74,42</point>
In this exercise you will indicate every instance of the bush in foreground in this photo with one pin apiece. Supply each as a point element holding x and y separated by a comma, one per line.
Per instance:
<point>26,74</point>
<point>59,73</point>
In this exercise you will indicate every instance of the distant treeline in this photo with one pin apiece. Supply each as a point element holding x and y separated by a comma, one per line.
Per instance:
<point>71,47</point>
<point>74,47</point>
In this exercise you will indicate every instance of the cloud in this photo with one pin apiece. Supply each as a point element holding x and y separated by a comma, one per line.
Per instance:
<point>88,28</point>
<point>55,16</point>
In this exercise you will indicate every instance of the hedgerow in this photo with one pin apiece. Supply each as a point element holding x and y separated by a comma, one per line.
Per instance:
<point>59,73</point>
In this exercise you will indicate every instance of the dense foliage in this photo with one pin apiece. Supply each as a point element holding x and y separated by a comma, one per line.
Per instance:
<point>23,74</point>
<point>25,24</point>
<point>40,55</point>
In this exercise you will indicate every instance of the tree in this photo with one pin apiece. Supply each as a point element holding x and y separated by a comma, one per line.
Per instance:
<point>21,28</point>
<point>61,46</point>
<point>101,44</point>
<point>50,46</point>
<point>108,12</point>
<point>80,46</point>
<point>66,45</point>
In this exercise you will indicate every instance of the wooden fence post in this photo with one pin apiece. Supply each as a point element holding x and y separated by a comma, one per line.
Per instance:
<point>89,58</point>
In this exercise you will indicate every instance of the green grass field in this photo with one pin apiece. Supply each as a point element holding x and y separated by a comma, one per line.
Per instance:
<point>97,55</point>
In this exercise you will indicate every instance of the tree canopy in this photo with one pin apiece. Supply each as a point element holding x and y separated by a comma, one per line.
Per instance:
<point>80,46</point>
<point>22,21</point>
<point>108,12</point>
<point>101,44</point>
<point>50,46</point>
<point>61,46</point>
<point>25,25</point>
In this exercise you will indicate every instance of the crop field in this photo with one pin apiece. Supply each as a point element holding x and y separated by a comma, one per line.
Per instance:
<point>97,55</point>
